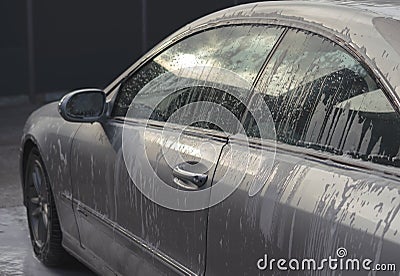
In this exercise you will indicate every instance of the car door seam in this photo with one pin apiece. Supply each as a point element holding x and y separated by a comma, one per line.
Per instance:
<point>208,211</point>
<point>74,210</point>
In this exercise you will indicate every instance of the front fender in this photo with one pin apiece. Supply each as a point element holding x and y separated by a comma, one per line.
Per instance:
<point>46,130</point>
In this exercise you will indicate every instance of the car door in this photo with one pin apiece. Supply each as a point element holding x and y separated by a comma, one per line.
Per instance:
<point>142,178</point>
<point>332,189</point>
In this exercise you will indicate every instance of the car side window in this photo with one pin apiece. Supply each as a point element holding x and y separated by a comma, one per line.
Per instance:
<point>217,65</point>
<point>321,97</point>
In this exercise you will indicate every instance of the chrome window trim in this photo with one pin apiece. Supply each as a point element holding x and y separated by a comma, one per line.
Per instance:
<point>327,33</point>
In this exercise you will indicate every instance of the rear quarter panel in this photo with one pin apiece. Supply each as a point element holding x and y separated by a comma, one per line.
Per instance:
<point>307,208</point>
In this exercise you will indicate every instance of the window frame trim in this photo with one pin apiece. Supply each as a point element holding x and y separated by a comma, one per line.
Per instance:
<point>312,155</point>
<point>112,90</point>
<point>318,156</point>
<point>311,27</point>
<point>326,33</point>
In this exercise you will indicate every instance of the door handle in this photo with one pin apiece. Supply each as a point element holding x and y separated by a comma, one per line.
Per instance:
<point>188,180</point>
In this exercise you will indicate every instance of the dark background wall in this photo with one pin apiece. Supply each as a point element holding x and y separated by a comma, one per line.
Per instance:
<point>83,43</point>
<point>13,51</point>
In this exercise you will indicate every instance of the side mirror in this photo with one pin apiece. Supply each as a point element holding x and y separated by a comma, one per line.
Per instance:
<point>85,105</point>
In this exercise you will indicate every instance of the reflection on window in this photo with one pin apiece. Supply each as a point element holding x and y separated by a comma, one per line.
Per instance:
<point>222,58</point>
<point>320,97</point>
<point>240,49</point>
<point>179,99</point>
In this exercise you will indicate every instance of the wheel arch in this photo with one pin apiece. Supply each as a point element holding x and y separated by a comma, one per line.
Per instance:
<point>27,146</point>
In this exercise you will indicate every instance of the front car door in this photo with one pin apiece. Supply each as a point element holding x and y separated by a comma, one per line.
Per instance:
<point>142,179</point>
<point>332,190</point>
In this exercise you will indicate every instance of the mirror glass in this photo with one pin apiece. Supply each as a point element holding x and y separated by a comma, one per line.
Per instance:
<point>88,104</point>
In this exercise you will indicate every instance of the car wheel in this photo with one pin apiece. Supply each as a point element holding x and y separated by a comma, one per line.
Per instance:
<point>44,226</point>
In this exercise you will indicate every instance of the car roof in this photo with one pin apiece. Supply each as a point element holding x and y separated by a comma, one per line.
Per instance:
<point>389,8</point>
<point>371,31</point>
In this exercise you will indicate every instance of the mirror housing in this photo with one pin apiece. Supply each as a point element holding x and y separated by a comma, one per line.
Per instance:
<point>84,105</point>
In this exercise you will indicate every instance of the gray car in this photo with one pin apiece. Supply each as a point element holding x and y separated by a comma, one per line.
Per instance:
<point>261,139</point>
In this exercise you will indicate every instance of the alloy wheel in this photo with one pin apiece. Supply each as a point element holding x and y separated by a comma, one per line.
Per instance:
<point>38,204</point>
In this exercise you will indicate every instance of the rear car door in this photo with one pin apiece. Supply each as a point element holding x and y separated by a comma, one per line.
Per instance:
<point>142,179</point>
<point>332,189</point>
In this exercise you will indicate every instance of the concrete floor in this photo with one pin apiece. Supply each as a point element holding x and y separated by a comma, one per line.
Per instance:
<point>16,255</point>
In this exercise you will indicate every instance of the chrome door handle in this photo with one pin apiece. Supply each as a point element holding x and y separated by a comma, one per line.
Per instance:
<point>188,180</point>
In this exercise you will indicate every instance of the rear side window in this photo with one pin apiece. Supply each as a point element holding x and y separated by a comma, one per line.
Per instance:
<point>217,65</point>
<point>321,97</point>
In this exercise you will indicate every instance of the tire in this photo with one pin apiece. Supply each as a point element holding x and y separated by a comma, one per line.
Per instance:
<point>44,227</point>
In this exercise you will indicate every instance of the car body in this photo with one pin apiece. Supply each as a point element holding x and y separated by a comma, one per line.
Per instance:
<point>329,76</point>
